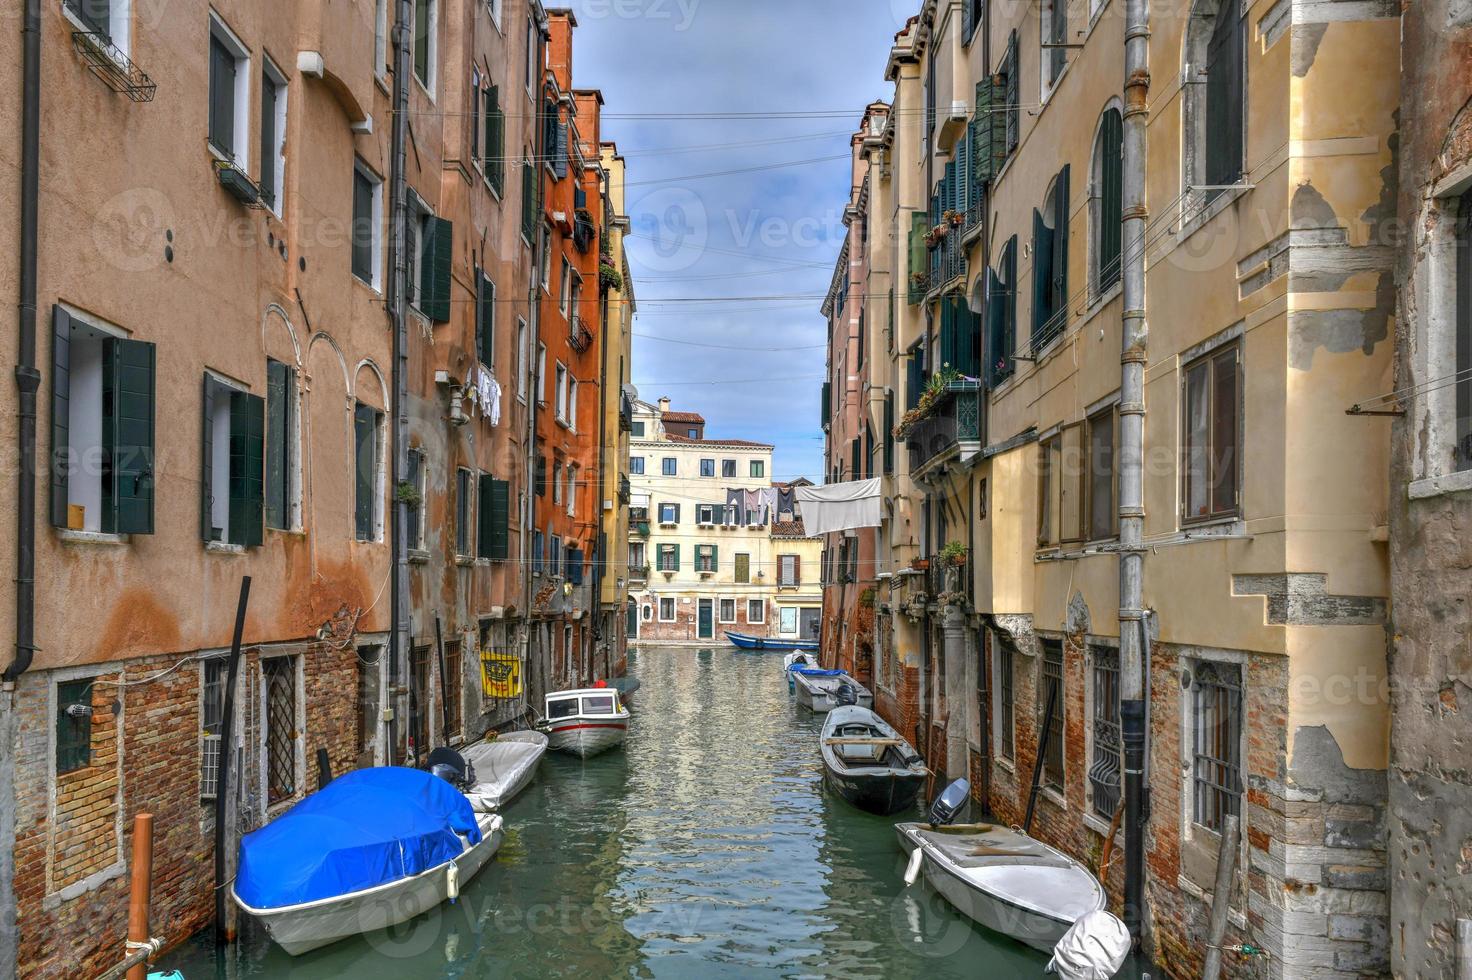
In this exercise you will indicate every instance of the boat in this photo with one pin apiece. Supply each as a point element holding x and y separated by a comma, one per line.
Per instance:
<point>502,767</point>
<point>587,721</point>
<point>868,763</point>
<point>745,641</point>
<point>999,878</point>
<point>626,687</point>
<point>798,659</point>
<point>824,690</point>
<point>372,849</point>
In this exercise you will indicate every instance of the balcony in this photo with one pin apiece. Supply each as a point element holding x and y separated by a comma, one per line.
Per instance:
<point>579,337</point>
<point>947,260</point>
<point>625,490</point>
<point>919,286</point>
<point>625,412</point>
<point>952,429</point>
<point>583,231</point>
<point>639,526</point>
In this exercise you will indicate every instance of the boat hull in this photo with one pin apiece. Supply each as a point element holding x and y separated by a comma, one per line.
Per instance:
<point>1030,926</point>
<point>587,737</point>
<point>300,929</point>
<point>821,697</point>
<point>504,768</point>
<point>743,641</point>
<point>884,794</point>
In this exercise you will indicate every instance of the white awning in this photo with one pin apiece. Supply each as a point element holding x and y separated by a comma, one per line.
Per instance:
<point>840,506</point>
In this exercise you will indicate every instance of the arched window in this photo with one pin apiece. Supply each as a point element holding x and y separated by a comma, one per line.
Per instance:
<point>1001,315</point>
<point>1050,264</point>
<point>1106,193</point>
<point>1215,95</point>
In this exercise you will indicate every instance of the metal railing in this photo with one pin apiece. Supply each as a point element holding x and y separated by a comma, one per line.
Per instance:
<point>956,419</point>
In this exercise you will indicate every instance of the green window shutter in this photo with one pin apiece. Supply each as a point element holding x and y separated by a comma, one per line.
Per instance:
<point>953,186</point>
<point>981,133</point>
<point>365,453</point>
<point>914,378</point>
<point>996,352</point>
<point>495,162</point>
<point>485,319</point>
<point>963,168</point>
<point>500,543</point>
<point>475,120</point>
<point>1042,276</point>
<point>743,569</point>
<point>889,434</point>
<point>73,733</point>
<point>998,123</point>
<point>676,566</point>
<point>529,200</point>
<point>1060,250</point>
<point>206,461</point>
<point>485,519</point>
<point>279,389</point>
<point>61,388</point>
<point>827,401</point>
<point>1010,96</point>
<point>247,468</point>
<point>1111,190</point>
<point>127,433</point>
<point>919,262</point>
<point>1009,292</point>
<point>434,272</point>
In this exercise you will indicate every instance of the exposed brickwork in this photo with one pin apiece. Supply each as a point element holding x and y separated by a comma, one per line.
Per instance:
<point>86,808</point>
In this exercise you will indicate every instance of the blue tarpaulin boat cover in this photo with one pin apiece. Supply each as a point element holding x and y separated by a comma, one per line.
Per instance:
<point>365,828</point>
<point>814,672</point>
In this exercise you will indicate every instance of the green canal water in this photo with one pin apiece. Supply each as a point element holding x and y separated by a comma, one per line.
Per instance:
<point>708,848</point>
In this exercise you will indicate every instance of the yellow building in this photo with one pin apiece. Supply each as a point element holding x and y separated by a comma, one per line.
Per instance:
<point>711,550</point>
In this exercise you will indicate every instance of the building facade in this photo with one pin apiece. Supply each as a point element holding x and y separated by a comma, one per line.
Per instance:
<point>711,549</point>
<point>206,354</point>
<point>1047,463</point>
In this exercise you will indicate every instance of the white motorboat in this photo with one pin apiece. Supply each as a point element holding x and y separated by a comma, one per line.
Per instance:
<point>502,767</point>
<point>824,690</point>
<point>586,722</point>
<point>372,849</point>
<point>797,660</point>
<point>1002,879</point>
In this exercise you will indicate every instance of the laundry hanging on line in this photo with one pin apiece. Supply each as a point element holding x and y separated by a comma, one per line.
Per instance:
<point>841,506</point>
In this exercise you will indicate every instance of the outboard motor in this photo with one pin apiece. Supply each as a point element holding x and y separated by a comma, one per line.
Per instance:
<point>949,803</point>
<point>846,694</point>
<point>450,766</point>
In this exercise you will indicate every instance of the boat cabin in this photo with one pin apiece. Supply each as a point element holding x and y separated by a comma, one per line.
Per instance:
<point>582,704</point>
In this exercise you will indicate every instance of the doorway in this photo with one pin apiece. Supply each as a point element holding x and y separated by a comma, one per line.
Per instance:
<point>705,626</point>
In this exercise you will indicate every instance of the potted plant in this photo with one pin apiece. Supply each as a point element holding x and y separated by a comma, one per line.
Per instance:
<point>920,564</point>
<point>609,277</point>
<point>407,493</point>
<point>954,554</point>
<point>954,218</point>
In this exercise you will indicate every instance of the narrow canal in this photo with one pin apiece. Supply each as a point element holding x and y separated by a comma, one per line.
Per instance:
<point>708,848</point>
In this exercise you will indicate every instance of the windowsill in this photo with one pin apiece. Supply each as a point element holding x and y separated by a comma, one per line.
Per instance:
<point>418,556</point>
<point>1006,765</point>
<point>70,536</point>
<point>372,287</point>
<point>1054,796</point>
<point>1230,524</point>
<point>224,548</point>
<point>1101,300</point>
<point>1100,826</point>
<point>1436,486</point>
<point>1204,215</point>
<point>295,532</point>
<point>423,87</point>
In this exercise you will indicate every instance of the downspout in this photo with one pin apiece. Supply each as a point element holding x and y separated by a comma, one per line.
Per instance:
<point>399,314</point>
<point>534,318</point>
<point>1135,341</point>
<point>28,382</point>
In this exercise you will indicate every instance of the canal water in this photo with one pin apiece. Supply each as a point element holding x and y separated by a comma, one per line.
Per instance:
<point>708,848</point>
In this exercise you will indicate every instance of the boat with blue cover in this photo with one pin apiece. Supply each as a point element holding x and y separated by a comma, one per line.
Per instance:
<point>744,641</point>
<point>371,849</point>
<point>797,660</point>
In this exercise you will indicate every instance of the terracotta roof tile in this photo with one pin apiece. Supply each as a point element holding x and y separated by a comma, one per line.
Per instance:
<point>694,417</point>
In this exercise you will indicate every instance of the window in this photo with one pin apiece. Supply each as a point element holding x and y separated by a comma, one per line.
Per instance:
<point>369,665</point>
<point>541,384</point>
<point>537,549</point>
<point>705,514</point>
<point>229,81</point>
<point>454,696</point>
<point>572,403</point>
<point>787,620</point>
<point>1054,31</point>
<point>692,433</point>
<point>494,8</point>
<point>367,233</point>
<point>278,676</point>
<point>728,468</point>
<point>638,562</point>
<point>636,465</point>
<point>666,609</point>
<point>1050,264</point>
<point>108,19</point>
<point>1011,77</point>
<point>758,469</point>
<point>971,18</point>
<point>211,713</point>
<point>707,467</point>
<point>670,466</point>
<point>646,612</point>
<point>564,290</point>
<point>756,611</point>
<point>380,38</point>
<point>1099,475</point>
<point>485,319</point>
<point>1215,53</point>
<point>554,554</point>
<point>1006,683</point>
<point>532,68</point>
<point>727,611</point>
<point>1216,743</point>
<point>1104,729</point>
<point>540,477</point>
<point>430,251</point>
<point>571,494</point>
<point>1462,450</point>
<point>1212,433</point>
<point>1001,314</point>
<point>1050,457</point>
<point>1107,201</point>
<point>523,355</point>
<point>668,558</point>
<point>789,570</point>
<point>475,109</point>
<point>273,135</point>
<point>426,29</point>
<point>232,479</point>
<point>493,164</point>
<point>368,472</point>
<point>282,443</point>
<point>494,510</point>
<point>1051,689</point>
<point>669,513</point>
<point>73,725</point>
<point>638,430</point>
<point>464,511</point>
<point>414,508</point>
<point>102,407</point>
<point>560,392</point>
<point>705,558</point>
<point>743,568</point>
<point>529,207</point>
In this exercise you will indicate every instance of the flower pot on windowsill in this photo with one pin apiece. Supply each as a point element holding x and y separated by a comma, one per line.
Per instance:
<point>920,564</point>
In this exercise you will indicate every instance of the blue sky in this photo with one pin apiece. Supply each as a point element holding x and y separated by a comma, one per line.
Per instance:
<point>767,232</point>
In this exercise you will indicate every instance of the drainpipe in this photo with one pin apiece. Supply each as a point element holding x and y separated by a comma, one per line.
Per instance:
<point>602,561</point>
<point>399,314</point>
<point>1131,459</point>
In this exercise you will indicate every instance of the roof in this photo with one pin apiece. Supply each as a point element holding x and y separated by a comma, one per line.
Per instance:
<point>789,529</point>
<point>695,417</point>
<point>743,443</point>
<point>801,481</point>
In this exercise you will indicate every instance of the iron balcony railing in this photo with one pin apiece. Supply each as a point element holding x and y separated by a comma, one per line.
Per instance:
<point>947,261</point>
<point>624,488</point>
<point>625,412</point>
<point>955,420</point>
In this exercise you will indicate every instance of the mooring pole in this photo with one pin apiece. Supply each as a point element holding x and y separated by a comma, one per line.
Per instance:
<point>224,933</point>
<point>140,888</point>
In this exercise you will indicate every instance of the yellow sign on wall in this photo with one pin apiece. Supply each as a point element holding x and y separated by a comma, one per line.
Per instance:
<point>500,674</point>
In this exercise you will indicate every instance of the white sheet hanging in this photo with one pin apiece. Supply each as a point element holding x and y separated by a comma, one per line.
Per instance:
<point>840,506</point>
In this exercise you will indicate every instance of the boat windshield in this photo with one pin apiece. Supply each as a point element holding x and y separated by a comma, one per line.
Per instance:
<point>601,704</point>
<point>566,708</point>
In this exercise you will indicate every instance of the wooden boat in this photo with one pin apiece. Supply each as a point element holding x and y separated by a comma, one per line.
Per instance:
<point>824,690</point>
<point>586,722</point>
<point>503,767</point>
<point>372,849</point>
<point>744,641</point>
<point>1004,879</point>
<point>868,763</point>
<point>795,660</point>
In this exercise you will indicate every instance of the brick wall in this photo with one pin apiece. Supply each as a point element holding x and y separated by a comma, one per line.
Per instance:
<point>684,628</point>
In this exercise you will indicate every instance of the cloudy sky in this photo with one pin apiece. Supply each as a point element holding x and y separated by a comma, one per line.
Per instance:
<point>787,81</point>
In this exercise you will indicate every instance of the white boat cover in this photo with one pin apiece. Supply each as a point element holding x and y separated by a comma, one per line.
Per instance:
<point>840,506</point>
<point>1093,948</point>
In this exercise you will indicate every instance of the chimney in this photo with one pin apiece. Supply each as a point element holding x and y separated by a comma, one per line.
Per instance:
<point>664,405</point>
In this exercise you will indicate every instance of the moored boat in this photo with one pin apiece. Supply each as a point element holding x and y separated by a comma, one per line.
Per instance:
<point>797,660</point>
<point>824,690</point>
<point>1002,879</point>
<point>371,849</point>
<point>503,767</point>
<point>868,763</point>
<point>587,721</point>
<point>744,641</point>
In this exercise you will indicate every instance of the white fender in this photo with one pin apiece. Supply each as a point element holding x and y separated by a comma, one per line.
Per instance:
<point>452,881</point>
<point>912,870</point>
